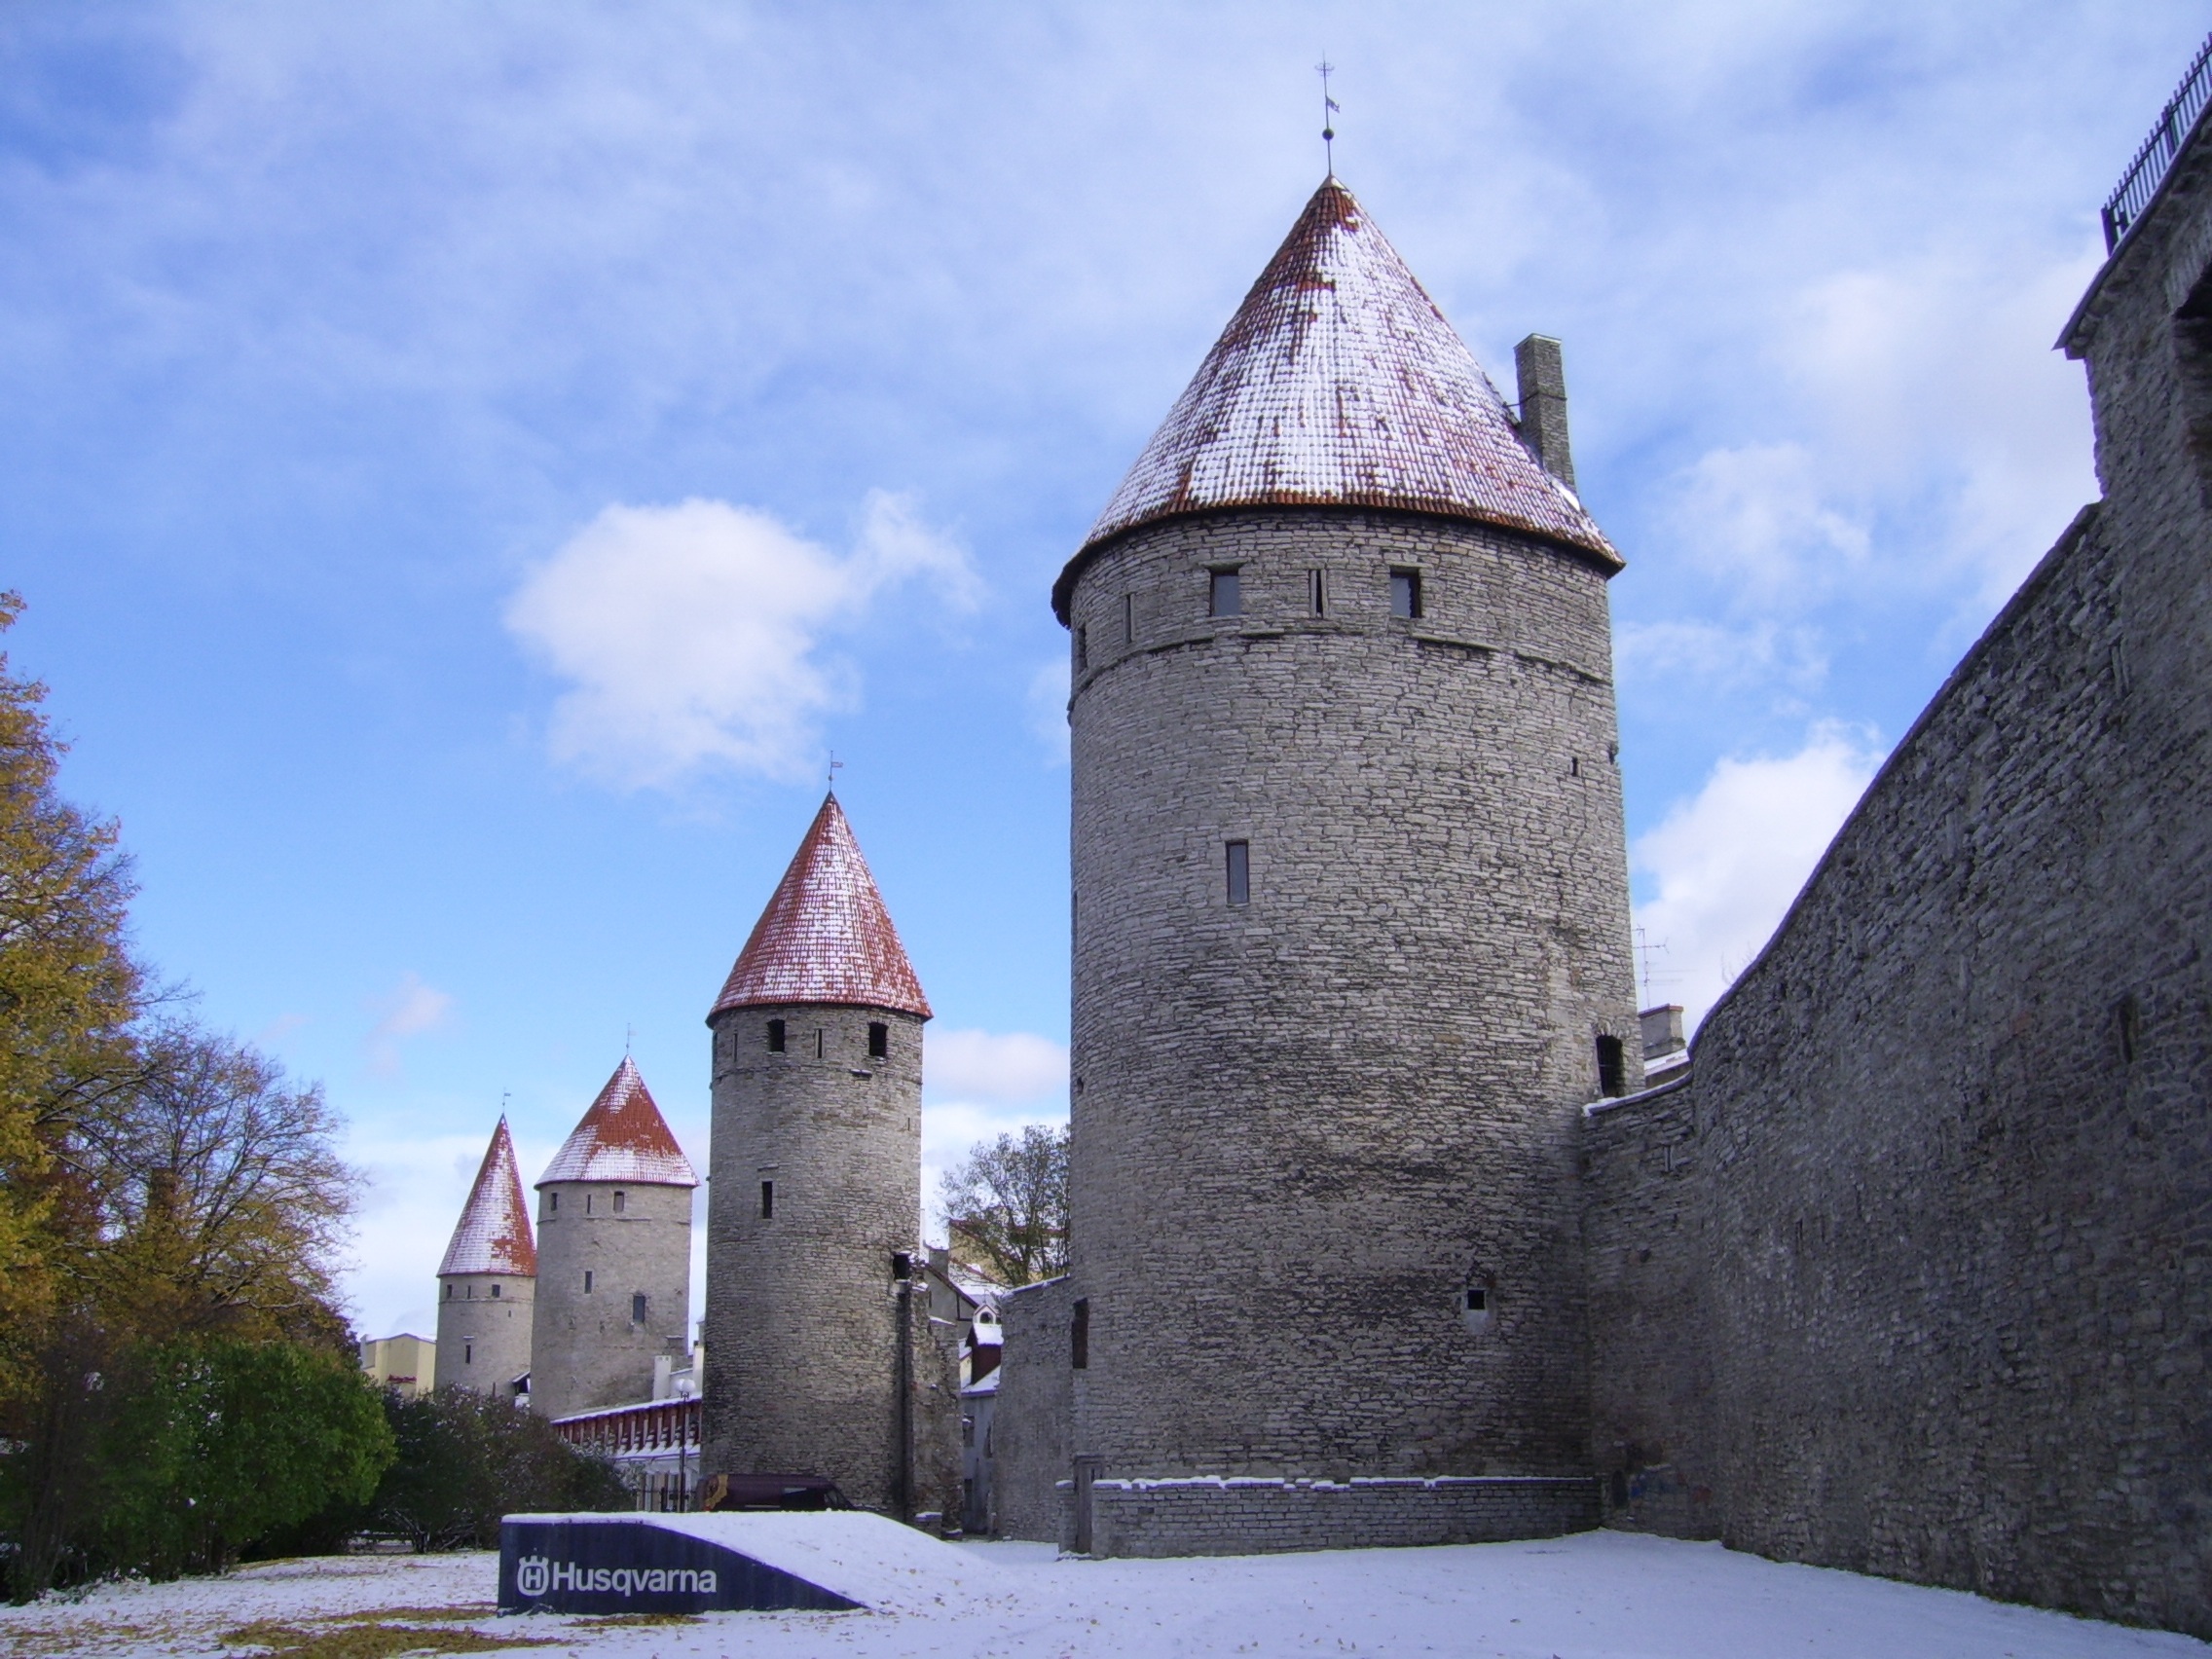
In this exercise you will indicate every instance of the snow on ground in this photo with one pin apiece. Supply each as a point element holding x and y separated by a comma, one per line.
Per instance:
<point>1594,1596</point>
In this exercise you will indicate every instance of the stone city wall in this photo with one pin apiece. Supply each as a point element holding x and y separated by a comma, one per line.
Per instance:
<point>1256,1517</point>
<point>1032,1422</point>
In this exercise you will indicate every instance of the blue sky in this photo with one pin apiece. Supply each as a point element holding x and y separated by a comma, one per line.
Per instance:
<point>468,466</point>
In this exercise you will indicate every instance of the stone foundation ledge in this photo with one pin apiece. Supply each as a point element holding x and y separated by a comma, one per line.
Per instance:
<point>1191,1515</point>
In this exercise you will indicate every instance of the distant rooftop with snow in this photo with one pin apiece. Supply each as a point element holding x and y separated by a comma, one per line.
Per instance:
<point>622,1137</point>
<point>1339,383</point>
<point>825,936</point>
<point>494,1236</point>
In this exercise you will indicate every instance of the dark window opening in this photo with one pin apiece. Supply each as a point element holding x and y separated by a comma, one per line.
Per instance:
<point>587,1204</point>
<point>1224,595</point>
<point>552,1203</point>
<point>1240,863</point>
<point>767,1201</point>
<point>1128,619</point>
<point>1082,646</point>
<point>468,1353</point>
<point>902,1266</point>
<point>1478,1299</point>
<point>1612,1071</point>
<point>1317,592</point>
<point>879,1040</point>
<point>621,1203</point>
<point>587,1281</point>
<point>2131,1014</point>
<point>775,1035</point>
<point>494,1293</point>
<point>636,1308</point>
<point>821,1038</point>
<point>1079,1336</point>
<point>1405,593</point>
<point>449,1293</point>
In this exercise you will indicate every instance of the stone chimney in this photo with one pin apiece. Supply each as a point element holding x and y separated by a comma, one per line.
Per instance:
<point>1542,377</point>
<point>1662,1031</point>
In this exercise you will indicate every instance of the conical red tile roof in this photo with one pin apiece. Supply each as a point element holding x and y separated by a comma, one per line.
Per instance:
<point>494,1236</point>
<point>623,1137</point>
<point>1337,383</point>
<point>825,937</point>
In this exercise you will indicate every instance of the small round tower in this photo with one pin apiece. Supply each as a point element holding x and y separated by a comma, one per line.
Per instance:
<point>815,1196</point>
<point>1351,934</point>
<point>488,1281</point>
<point>614,1253</point>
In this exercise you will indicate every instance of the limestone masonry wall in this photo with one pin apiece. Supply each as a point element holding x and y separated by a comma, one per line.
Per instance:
<point>802,1322</point>
<point>587,1350</point>
<point>484,1339</point>
<point>1034,1417</point>
<point>1252,1517</point>
<point>1948,1157</point>
<point>1307,1125</point>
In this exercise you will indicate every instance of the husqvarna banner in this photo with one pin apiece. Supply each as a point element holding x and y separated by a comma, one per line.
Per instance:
<point>639,1563</point>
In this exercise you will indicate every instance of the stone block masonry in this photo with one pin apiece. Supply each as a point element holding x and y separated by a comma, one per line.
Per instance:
<point>1033,1449</point>
<point>613,1292</point>
<point>1325,1211</point>
<point>1259,1517</point>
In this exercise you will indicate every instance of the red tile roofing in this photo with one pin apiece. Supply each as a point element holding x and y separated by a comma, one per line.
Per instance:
<point>623,1137</point>
<point>494,1235</point>
<point>1339,383</point>
<point>825,937</point>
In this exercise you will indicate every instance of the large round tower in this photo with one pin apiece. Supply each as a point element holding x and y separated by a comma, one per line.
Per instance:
<point>614,1255</point>
<point>488,1280</point>
<point>1351,936</point>
<point>815,1191</point>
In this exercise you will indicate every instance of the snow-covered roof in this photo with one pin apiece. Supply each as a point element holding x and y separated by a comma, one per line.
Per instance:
<point>825,936</point>
<point>622,1137</point>
<point>1337,383</point>
<point>494,1235</point>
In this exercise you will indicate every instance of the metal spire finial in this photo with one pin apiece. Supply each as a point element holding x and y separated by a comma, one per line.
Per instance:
<point>835,766</point>
<point>1325,70</point>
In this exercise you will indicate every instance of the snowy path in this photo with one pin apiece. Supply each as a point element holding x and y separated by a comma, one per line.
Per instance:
<point>1595,1596</point>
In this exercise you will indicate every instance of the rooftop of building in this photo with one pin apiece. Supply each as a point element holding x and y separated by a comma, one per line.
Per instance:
<point>825,936</point>
<point>622,1137</point>
<point>494,1235</point>
<point>1339,383</point>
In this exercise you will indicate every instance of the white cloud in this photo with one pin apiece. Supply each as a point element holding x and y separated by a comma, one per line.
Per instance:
<point>1724,864</point>
<point>1758,517</point>
<point>1048,708</point>
<point>1015,1068</point>
<point>409,1008</point>
<point>1657,654</point>
<point>692,636</point>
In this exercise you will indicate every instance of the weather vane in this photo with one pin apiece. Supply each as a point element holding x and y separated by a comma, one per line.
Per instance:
<point>1324,70</point>
<point>835,766</point>
<point>629,1036</point>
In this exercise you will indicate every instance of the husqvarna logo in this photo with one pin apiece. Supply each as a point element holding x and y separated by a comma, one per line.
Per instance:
<point>534,1575</point>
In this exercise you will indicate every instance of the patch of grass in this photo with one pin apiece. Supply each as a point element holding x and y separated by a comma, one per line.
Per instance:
<point>362,1640</point>
<point>419,1615</point>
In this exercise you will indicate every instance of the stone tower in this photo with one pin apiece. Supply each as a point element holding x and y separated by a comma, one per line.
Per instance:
<point>1352,933</point>
<point>815,1197</point>
<point>614,1255</point>
<point>488,1280</point>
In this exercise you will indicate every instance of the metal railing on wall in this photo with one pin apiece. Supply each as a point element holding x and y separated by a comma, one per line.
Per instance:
<point>2141,181</point>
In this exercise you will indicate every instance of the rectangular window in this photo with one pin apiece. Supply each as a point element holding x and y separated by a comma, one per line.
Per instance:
<point>621,1203</point>
<point>1613,1073</point>
<point>1082,646</point>
<point>1240,863</point>
<point>552,1203</point>
<point>449,1293</point>
<point>821,1038</point>
<point>767,1201</point>
<point>587,1281</point>
<point>1317,592</point>
<point>1405,593</point>
<point>587,1204</point>
<point>1079,1336</point>
<point>879,1040</point>
<point>468,1353</point>
<point>494,1293</point>
<point>1128,619</point>
<point>775,1035</point>
<point>1225,596</point>
<point>636,1308</point>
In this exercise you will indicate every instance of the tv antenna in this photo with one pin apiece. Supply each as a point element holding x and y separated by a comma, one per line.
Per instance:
<point>1325,70</point>
<point>1644,950</point>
